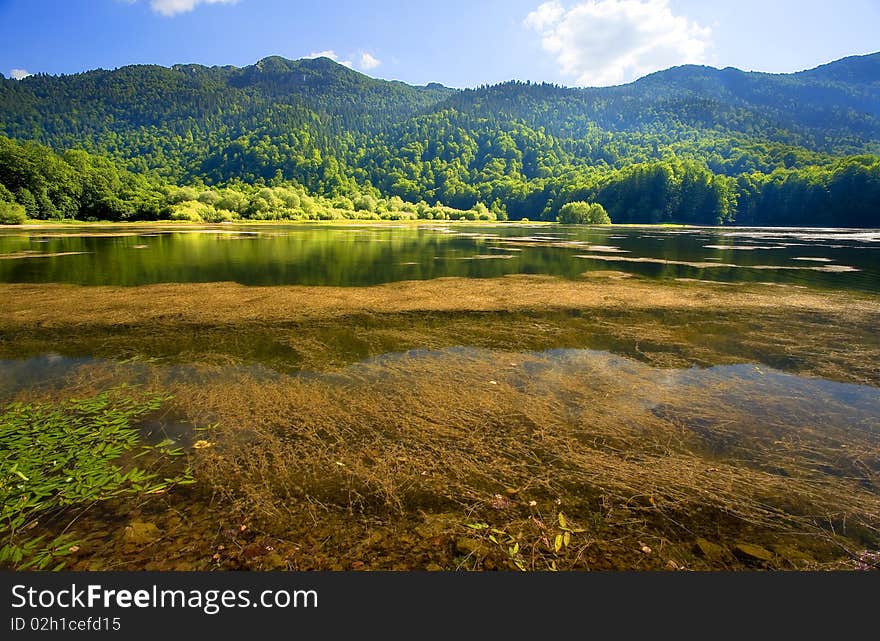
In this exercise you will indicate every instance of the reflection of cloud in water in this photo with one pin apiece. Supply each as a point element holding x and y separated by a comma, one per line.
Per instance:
<point>743,247</point>
<point>686,263</point>
<point>462,234</point>
<point>658,261</point>
<point>746,386</point>
<point>526,241</point>
<point>708,282</point>
<point>803,234</point>
<point>738,284</point>
<point>32,254</point>
<point>542,239</point>
<point>834,269</point>
<point>476,257</point>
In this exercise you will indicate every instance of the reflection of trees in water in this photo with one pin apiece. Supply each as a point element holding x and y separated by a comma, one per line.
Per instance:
<point>331,255</point>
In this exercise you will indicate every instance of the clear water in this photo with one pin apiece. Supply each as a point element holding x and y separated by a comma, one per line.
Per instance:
<point>738,404</point>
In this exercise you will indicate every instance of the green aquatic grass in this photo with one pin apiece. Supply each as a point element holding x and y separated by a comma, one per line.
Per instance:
<point>57,457</point>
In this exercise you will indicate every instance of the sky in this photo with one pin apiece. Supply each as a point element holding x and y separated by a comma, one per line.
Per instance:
<point>459,43</point>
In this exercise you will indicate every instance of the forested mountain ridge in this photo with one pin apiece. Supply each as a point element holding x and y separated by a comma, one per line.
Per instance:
<point>139,96</point>
<point>833,108</point>
<point>690,144</point>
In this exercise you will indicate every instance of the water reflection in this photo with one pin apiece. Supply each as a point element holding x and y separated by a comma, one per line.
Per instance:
<point>747,398</point>
<point>359,255</point>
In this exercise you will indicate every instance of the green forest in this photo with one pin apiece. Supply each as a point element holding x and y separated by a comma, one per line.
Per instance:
<point>314,140</point>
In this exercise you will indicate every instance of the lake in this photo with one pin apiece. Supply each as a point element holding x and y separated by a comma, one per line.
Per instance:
<point>458,396</point>
<point>360,255</point>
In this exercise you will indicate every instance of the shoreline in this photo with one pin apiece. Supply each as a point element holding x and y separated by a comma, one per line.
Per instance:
<point>42,224</point>
<point>68,223</point>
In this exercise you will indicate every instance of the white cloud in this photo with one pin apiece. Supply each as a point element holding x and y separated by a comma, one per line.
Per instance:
<point>369,61</point>
<point>329,53</point>
<point>173,7</point>
<point>606,42</point>
<point>19,74</point>
<point>545,16</point>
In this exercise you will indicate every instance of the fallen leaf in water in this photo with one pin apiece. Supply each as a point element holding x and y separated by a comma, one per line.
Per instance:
<point>558,542</point>
<point>200,445</point>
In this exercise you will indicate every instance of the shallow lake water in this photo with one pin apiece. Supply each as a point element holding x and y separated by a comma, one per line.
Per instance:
<point>463,419</point>
<point>358,255</point>
<point>782,400</point>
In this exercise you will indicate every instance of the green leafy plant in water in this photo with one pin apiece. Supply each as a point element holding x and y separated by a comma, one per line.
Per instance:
<point>507,542</point>
<point>57,456</point>
<point>556,540</point>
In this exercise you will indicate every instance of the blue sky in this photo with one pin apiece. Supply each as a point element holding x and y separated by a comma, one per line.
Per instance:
<point>460,43</point>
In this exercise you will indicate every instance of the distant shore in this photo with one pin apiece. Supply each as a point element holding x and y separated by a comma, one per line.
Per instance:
<point>41,224</point>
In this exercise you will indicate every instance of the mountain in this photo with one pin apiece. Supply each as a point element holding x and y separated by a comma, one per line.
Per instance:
<point>863,70</point>
<point>834,108</point>
<point>520,147</point>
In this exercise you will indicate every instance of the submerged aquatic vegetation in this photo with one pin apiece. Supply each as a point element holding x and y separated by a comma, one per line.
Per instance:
<point>352,429</point>
<point>499,438</point>
<point>825,334</point>
<point>57,457</point>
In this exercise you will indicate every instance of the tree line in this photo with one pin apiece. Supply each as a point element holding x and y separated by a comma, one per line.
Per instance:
<point>38,183</point>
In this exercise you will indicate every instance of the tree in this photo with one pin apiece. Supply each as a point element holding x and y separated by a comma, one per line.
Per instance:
<point>12,213</point>
<point>365,203</point>
<point>583,213</point>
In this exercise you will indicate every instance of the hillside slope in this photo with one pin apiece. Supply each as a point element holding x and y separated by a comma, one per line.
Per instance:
<point>520,148</point>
